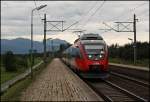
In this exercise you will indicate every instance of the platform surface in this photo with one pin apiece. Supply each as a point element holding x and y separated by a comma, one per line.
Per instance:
<point>58,83</point>
<point>130,66</point>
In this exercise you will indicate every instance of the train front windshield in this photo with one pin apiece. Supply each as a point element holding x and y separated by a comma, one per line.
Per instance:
<point>94,52</point>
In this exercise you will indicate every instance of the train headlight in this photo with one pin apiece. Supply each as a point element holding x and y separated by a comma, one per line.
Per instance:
<point>100,56</point>
<point>89,56</point>
<point>102,52</point>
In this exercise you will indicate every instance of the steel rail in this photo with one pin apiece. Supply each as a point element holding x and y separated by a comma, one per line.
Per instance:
<point>105,97</point>
<point>130,78</point>
<point>126,91</point>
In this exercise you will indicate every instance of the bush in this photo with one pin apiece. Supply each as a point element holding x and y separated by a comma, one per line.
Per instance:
<point>10,61</point>
<point>21,61</point>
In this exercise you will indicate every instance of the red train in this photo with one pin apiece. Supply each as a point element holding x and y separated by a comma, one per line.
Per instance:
<point>88,56</point>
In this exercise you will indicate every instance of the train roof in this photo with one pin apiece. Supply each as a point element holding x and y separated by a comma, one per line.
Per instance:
<point>90,39</point>
<point>91,36</point>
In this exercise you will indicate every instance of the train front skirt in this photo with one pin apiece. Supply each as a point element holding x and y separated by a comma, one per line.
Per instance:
<point>101,75</point>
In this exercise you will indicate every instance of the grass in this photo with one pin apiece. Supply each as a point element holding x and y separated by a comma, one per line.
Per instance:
<point>14,93</point>
<point>5,76</point>
<point>143,62</point>
<point>36,60</point>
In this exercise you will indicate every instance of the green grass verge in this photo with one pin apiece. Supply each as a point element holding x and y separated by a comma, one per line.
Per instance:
<point>143,63</point>
<point>5,76</point>
<point>14,93</point>
<point>36,60</point>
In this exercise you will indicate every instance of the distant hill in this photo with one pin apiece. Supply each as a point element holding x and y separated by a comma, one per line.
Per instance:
<point>22,46</point>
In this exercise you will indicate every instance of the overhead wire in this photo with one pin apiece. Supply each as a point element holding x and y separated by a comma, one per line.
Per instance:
<point>92,7</point>
<point>138,15</point>
<point>100,6</point>
<point>84,15</point>
<point>37,10</point>
<point>129,11</point>
<point>76,23</point>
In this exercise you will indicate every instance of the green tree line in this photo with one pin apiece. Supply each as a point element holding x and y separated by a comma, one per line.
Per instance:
<point>127,51</point>
<point>13,62</point>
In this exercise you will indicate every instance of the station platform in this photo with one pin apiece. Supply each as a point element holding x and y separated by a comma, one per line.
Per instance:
<point>58,83</point>
<point>130,70</point>
<point>130,66</point>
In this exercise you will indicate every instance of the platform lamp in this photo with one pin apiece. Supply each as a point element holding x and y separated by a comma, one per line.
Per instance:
<point>130,39</point>
<point>37,8</point>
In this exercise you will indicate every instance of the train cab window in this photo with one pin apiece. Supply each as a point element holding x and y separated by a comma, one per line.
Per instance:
<point>95,52</point>
<point>91,37</point>
<point>94,49</point>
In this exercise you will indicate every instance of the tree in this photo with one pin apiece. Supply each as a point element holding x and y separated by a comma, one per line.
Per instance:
<point>126,51</point>
<point>21,61</point>
<point>9,61</point>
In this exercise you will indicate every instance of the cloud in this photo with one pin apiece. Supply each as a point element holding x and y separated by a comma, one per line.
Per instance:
<point>16,16</point>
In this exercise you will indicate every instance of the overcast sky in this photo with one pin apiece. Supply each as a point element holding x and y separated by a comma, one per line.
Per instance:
<point>16,18</point>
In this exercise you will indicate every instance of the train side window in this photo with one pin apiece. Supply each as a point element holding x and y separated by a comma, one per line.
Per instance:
<point>75,52</point>
<point>71,52</point>
<point>78,53</point>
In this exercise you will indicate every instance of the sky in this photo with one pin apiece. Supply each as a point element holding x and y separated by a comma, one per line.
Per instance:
<point>90,15</point>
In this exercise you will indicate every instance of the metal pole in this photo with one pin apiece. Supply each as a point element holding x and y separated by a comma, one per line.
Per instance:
<point>31,57</point>
<point>49,48</point>
<point>45,38</point>
<point>52,49</point>
<point>62,26</point>
<point>134,29</point>
<point>31,43</point>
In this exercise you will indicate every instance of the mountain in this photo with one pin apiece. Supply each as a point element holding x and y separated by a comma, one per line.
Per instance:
<point>22,46</point>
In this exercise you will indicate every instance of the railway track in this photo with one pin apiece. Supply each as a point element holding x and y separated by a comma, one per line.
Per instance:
<point>137,87</point>
<point>120,88</point>
<point>136,80</point>
<point>112,92</point>
<point>142,75</point>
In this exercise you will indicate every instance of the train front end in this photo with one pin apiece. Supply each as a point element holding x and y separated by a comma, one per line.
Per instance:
<point>94,62</point>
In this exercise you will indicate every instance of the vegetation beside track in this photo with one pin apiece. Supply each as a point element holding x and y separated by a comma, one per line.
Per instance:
<point>14,93</point>
<point>20,63</point>
<point>124,54</point>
